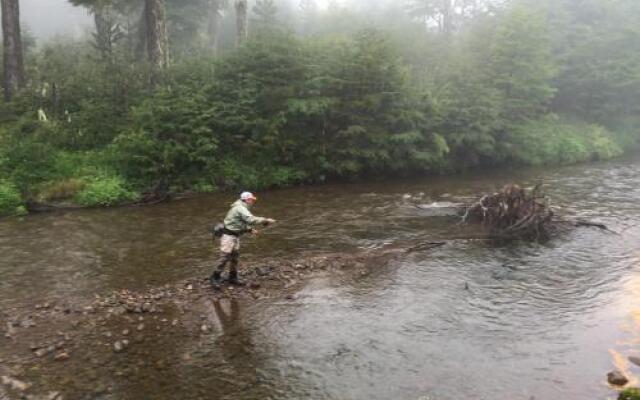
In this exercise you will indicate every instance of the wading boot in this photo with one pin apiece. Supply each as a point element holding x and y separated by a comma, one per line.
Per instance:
<point>215,280</point>
<point>234,280</point>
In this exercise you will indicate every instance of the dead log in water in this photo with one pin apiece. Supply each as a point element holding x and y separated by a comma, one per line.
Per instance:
<point>517,213</point>
<point>513,213</point>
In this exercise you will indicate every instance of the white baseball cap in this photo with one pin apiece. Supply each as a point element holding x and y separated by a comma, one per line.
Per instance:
<point>247,196</point>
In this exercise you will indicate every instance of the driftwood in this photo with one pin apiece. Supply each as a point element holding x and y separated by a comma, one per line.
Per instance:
<point>517,213</point>
<point>512,213</point>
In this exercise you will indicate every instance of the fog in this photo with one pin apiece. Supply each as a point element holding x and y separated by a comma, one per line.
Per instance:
<point>47,18</point>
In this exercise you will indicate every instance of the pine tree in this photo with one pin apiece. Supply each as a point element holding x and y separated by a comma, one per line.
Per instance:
<point>14,76</point>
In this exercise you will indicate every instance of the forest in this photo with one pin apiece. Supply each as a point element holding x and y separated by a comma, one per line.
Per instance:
<point>175,96</point>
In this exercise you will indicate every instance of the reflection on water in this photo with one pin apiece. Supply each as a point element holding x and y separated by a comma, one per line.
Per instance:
<point>466,320</point>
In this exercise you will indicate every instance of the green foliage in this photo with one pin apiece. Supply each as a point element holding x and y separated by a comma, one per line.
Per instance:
<point>630,394</point>
<point>11,202</point>
<point>106,191</point>
<point>521,66</point>
<point>170,139</point>
<point>599,46</point>
<point>28,158</point>
<point>491,86</point>
<point>553,141</point>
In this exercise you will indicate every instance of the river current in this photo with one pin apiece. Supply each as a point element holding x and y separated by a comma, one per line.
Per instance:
<point>466,320</point>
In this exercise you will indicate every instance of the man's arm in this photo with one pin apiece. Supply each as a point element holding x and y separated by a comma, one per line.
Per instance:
<point>252,220</point>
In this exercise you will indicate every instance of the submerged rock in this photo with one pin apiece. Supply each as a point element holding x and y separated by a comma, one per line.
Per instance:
<point>617,378</point>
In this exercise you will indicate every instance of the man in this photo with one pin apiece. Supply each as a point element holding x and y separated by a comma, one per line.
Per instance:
<point>238,221</point>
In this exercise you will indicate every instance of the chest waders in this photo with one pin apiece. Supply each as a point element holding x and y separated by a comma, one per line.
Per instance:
<point>229,254</point>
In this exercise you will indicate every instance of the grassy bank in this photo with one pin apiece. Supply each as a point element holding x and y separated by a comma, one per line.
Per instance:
<point>98,178</point>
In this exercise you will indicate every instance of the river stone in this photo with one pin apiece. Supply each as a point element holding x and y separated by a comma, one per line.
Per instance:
<point>617,378</point>
<point>118,346</point>
<point>15,384</point>
<point>54,396</point>
<point>64,356</point>
<point>635,360</point>
<point>41,352</point>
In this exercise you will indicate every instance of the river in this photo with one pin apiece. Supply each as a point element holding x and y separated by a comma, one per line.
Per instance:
<point>466,320</point>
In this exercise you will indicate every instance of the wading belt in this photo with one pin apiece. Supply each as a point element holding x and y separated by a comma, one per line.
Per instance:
<point>230,232</point>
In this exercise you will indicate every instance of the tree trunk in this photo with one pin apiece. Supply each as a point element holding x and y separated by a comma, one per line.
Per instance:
<point>103,23</point>
<point>213,29</point>
<point>156,38</point>
<point>241,21</point>
<point>12,42</point>
<point>447,16</point>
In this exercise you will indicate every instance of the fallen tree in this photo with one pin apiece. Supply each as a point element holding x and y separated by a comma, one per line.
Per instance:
<point>517,213</point>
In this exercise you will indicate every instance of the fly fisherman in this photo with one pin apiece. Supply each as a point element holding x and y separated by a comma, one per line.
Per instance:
<point>238,221</point>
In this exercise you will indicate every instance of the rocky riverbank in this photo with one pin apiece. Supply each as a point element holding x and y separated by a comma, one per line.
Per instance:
<point>75,351</point>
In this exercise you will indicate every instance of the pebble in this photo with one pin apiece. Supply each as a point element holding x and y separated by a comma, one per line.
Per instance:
<point>204,328</point>
<point>140,327</point>
<point>62,356</point>
<point>119,346</point>
<point>125,332</point>
<point>15,384</point>
<point>41,353</point>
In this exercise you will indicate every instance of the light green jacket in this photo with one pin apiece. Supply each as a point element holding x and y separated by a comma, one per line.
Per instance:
<point>240,220</point>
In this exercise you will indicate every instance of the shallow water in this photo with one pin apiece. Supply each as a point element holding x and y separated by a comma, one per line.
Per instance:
<point>466,320</point>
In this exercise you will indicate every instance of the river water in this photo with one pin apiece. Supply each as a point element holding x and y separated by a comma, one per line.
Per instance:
<point>467,320</point>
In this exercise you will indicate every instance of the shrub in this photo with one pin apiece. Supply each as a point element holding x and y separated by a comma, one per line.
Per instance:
<point>105,191</point>
<point>630,394</point>
<point>10,200</point>
<point>551,140</point>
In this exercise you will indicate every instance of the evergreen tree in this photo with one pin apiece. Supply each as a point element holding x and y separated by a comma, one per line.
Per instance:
<point>521,64</point>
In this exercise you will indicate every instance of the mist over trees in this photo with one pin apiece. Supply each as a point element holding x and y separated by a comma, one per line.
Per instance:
<point>212,94</point>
